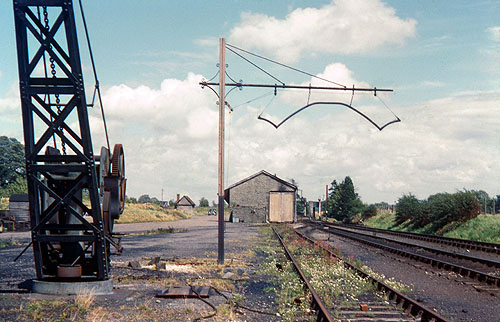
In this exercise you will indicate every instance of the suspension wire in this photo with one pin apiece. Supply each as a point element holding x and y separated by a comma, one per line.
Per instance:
<point>352,96</point>
<point>267,105</point>
<point>281,64</point>
<point>386,106</point>
<point>255,65</point>
<point>254,99</point>
<point>46,98</point>
<point>96,86</point>
<point>309,95</point>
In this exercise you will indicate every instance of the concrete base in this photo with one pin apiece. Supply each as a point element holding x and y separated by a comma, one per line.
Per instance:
<point>72,288</point>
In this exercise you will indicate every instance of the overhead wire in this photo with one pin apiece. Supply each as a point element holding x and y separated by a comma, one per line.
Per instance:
<point>254,99</point>
<point>386,106</point>
<point>380,128</point>
<point>255,65</point>
<point>281,64</point>
<point>96,86</point>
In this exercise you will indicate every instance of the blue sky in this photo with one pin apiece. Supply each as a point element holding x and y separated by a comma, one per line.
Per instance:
<point>441,58</point>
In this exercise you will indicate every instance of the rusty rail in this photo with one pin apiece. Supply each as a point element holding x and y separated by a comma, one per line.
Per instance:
<point>317,303</point>
<point>407,304</point>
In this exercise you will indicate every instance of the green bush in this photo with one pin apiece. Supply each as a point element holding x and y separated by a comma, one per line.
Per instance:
<point>369,212</point>
<point>438,211</point>
<point>408,207</point>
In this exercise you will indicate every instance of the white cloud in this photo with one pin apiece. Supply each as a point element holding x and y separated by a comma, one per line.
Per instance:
<point>11,101</point>
<point>442,145</point>
<point>168,133</point>
<point>170,139</point>
<point>335,28</point>
<point>494,33</point>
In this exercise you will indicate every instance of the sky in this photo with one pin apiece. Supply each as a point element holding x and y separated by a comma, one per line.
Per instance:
<point>442,60</point>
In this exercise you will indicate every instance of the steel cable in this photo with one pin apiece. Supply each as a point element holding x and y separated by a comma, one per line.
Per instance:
<point>97,88</point>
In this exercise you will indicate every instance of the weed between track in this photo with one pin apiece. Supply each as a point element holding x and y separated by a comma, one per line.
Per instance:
<point>334,283</point>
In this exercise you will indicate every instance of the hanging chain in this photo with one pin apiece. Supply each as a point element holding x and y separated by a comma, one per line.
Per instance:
<point>53,72</point>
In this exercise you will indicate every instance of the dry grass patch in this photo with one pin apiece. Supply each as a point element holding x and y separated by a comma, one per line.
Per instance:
<point>4,203</point>
<point>138,212</point>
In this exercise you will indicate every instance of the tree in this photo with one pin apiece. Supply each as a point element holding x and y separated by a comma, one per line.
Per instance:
<point>19,186</point>
<point>144,199</point>
<point>12,164</point>
<point>204,202</point>
<point>369,212</point>
<point>130,199</point>
<point>344,202</point>
<point>408,207</point>
<point>484,200</point>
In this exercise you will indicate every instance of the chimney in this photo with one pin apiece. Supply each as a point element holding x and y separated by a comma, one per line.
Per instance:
<point>177,198</point>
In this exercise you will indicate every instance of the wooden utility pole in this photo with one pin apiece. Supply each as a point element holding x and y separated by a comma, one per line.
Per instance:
<point>326,201</point>
<point>222,82</point>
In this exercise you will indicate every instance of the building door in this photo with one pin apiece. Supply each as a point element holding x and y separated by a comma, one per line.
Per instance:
<point>281,206</point>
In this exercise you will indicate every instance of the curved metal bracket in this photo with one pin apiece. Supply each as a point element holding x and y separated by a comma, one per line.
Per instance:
<point>380,128</point>
<point>204,84</point>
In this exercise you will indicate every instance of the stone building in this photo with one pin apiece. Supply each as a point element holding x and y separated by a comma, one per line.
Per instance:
<point>185,204</point>
<point>262,197</point>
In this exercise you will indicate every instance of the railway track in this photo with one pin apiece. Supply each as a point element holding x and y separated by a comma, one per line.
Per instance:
<point>368,306</point>
<point>437,251</point>
<point>454,242</point>
<point>466,266</point>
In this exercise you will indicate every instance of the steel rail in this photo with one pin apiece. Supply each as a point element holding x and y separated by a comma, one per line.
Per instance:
<point>409,305</point>
<point>461,270</point>
<point>317,303</point>
<point>456,242</point>
<point>430,249</point>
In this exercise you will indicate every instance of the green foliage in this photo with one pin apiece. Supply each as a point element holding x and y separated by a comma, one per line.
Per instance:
<point>12,163</point>
<point>437,211</point>
<point>301,205</point>
<point>343,201</point>
<point>408,207</point>
<point>204,202</point>
<point>130,199</point>
<point>144,199</point>
<point>18,186</point>
<point>369,212</point>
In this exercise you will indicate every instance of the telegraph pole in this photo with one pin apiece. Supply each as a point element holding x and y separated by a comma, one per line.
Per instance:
<point>222,82</point>
<point>326,202</point>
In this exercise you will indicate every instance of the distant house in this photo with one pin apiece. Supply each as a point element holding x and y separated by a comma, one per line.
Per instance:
<point>262,197</point>
<point>186,204</point>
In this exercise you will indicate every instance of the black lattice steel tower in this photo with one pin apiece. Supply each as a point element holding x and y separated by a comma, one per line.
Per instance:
<point>54,111</point>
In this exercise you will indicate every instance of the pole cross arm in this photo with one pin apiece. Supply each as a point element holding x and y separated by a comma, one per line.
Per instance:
<point>330,88</point>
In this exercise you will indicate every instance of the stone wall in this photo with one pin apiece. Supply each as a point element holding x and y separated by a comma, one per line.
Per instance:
<point>249,201</point>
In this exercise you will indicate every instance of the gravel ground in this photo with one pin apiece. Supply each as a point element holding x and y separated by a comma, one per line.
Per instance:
<point>440,290</point>
<point>190,258</point>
